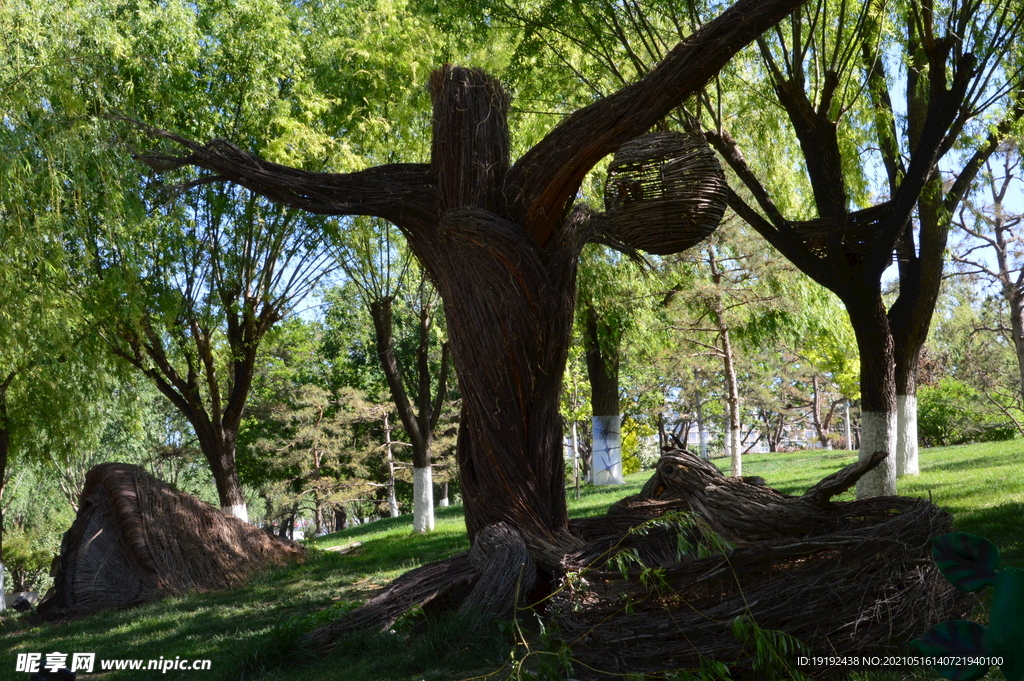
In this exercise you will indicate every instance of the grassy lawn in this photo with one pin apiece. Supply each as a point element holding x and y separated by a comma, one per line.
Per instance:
<point>249,633</point>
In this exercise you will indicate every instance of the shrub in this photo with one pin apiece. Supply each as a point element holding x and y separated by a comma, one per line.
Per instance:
<point>25,561</point>
<point>953,413</point>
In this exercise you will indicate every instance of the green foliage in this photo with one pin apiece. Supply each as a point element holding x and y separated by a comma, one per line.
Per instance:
<point>966,560</point>
<point>773,652</point>
<point>26,559</point>
<point>951,412</point>
<point>955,638</point>
<point>970,563</point>
<point>637,454</point>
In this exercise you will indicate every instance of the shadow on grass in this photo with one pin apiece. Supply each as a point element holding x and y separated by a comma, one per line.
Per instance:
<point>999,524</point>
<point>417,646</point>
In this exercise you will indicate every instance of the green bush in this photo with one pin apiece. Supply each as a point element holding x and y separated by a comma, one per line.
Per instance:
<point>953,413</point>
<point>25,562</point>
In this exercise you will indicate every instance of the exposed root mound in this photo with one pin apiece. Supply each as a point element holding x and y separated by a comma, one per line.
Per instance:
<point>659,582</point>
<point>136,539</point>
<point>845,578</point>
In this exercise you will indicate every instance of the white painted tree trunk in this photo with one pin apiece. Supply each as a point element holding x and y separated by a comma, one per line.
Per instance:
<point>575,460</point>
<point>240,511</point>
<point>735,450</point>
<point>849,428</point>
<point>422,500</point>
<point>878,433</point>
<point>392,499</point>
<point>702,432</point>
<point>607,461</point>
<point>3,591</point>
<point>906,436</point>
<point>443,503</point>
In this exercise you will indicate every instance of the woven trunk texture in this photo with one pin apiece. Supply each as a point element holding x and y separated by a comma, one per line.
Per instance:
<point>137,539</point>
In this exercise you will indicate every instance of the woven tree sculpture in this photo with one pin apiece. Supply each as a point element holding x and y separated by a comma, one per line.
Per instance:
<point>501,242</point>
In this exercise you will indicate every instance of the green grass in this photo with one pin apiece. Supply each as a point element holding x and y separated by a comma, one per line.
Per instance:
<point>249,633</point>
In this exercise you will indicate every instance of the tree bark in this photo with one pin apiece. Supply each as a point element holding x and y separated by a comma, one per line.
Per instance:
<point>340,516</point>
<point>702,431</point>
<point>219,450</point>
<point>821,425</point>
<point>732,388</point>
<point>215,417</point>
<point>419,421</point>
<point>390,460</point>
<point>878,395</point>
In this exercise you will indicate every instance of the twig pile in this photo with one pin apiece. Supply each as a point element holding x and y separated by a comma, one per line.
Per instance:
<point>860,581</point>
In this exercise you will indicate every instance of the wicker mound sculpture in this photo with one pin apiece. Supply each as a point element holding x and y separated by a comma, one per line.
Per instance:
<point>136,539</point>
<point>842,577</point>
<point>664,193</point>
<point>680,574</point>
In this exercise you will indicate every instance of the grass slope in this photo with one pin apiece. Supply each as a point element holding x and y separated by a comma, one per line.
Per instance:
<point>249,633</point>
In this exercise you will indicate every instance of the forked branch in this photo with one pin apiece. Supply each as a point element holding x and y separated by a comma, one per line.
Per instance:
<point>548,176</point>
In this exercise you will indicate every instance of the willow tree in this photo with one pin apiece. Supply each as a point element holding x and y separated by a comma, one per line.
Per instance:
<point>381,274</point>
<point>843,72</point>
<point>501,243</point>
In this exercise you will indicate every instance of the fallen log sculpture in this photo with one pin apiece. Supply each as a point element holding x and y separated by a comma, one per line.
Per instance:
<point>677,573</point>
<point>137,539</point>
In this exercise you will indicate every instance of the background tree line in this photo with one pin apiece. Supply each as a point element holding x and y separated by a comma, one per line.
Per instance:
<point>287,366</point>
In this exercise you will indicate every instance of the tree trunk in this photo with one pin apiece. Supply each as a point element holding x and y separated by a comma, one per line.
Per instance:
<point>509,322</point>
<point>390,459</point>
<point>821,424</point>
<point>220,454</point>
<point>848,427</point>
<point>733,406</point>
<point>443,501</point>
<point>418,423</point>
<point>1015,301</point>
<point>422,499</point>
<point>732,390</point>
<point>603,373</point>
<point>576,459</point>
<point>878,397</point>
<point>906,413</point>
<point>318,514</point>
<point>702,431</point>
<point>340,516</point>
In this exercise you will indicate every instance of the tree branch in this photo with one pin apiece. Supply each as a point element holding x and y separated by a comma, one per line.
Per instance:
<point>395,192</point>
<point>547,177</point>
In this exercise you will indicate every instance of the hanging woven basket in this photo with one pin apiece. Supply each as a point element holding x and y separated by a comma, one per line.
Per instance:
<point>665,192</point>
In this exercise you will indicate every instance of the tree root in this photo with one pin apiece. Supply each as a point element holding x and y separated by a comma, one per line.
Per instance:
<point>416,588</point>
<point>506,572</point>
<point>686,569</point>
